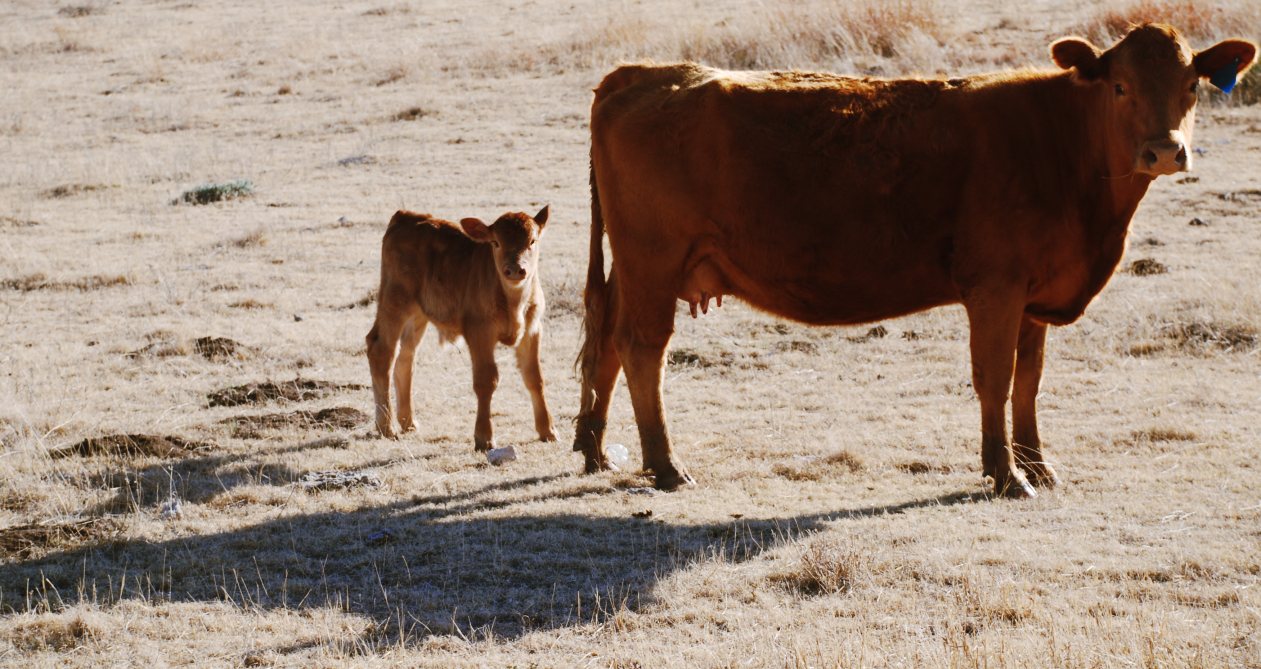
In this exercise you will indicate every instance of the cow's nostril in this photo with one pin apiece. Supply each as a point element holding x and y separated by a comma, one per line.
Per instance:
<point>1181,158</point>
<point>1149,157</point>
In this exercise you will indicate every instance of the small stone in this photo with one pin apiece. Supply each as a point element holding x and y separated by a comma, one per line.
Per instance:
<point>499,456</point>
<point>1198,222</point>
<point>297,318</point>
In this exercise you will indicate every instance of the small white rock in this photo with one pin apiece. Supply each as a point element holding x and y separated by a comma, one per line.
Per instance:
<point>617,454</point>
<point>172,509</point>
<point>498,456</point>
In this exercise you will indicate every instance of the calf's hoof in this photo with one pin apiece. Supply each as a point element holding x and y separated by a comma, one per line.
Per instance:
<point>547,435</point>
<point>482,445</point>
<point>386,433</point>
<point>673,481</point>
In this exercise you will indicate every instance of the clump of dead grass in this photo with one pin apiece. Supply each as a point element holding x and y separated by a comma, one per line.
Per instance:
<point>61,633</point>
<point>820,468</point>
<point>875,37</point>
<point>256,237</point>
<point>825,566</point>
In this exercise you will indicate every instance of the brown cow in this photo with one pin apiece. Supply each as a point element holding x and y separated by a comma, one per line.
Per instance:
<point>836,201</point>
<point>469,280</point>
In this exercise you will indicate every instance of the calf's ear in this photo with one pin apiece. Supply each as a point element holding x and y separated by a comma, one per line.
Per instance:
<point>476,229</point>
<point>541,217</point>
<point>1075,52</point>
<point>1225,61</point>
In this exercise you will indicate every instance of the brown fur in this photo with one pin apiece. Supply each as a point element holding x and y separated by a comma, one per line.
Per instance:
<point>465,280</point>
<point>832,200</point>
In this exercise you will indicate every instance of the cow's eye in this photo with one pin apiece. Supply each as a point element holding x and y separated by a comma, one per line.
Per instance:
<point>1195,86</point>
<point>1120,90</point>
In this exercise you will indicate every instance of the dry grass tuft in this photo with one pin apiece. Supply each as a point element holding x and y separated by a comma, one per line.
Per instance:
<point>60,633</point>
<point>256,237</point>
<point>815,468</point>
<point>1197,334</point>
<point>826,566</point>
<point>68,190</point>
<point>866,35</point>
<point>1146,267</point>
<point>1164,434</point>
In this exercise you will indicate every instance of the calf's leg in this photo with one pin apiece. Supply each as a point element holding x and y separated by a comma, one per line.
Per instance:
<point>413,331</point>
<point>485,381</point>
<point>600,355</point>
<point>994,318</point>
<point>532,374</point>
<point>1024,396</point>
<point>643,333</point>
<point>382,342</point>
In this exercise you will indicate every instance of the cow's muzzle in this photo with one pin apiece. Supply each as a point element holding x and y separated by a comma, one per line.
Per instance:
<point>1164,156</point>
<point>515,274</point>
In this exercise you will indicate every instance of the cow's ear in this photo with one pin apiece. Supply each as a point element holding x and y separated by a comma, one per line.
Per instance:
<point>476,229</point>
<point>541,217</point>
<point>1225,61</point>
<point>1075,52</point>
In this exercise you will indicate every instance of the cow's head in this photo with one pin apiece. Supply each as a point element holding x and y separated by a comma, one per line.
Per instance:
<point>1150,79</point>
<point>515,239</point>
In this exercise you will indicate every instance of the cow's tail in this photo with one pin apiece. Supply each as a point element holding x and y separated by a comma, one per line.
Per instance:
<point>596,300</point>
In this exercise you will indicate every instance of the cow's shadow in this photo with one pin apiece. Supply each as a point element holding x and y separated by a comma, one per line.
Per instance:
<point>459,563</point>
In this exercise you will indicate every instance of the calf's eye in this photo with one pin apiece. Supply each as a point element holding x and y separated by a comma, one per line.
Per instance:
<point>1195,86</point>
<point>1120,90</point>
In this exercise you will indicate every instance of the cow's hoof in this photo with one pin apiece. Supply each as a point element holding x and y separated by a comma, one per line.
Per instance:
<point>674,481</point>
<point>1048,479</point>
<point>547,436</point>
<point>1015,488</point>
<point>482,445</point>
<point>595,467</point>
<point>387,433</point>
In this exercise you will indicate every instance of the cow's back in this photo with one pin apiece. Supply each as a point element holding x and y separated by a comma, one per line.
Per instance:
<point>449,276</point>
<point>828,199</point>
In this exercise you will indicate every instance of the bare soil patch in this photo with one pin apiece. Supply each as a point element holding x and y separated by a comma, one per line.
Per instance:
<point>26,540</point>
<point>335,418</point>
<point>135,444</point>
<point>297,390</point>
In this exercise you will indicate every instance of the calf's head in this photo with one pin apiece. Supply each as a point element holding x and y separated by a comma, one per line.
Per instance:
<point>515,240</point>
<point>1149,80</point>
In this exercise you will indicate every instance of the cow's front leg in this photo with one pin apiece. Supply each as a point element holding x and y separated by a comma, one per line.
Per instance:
<point>1024,414</point>
<point>485,380</point>
<point>532,374</point>
<point>994,318</point>
<point>642,336</point>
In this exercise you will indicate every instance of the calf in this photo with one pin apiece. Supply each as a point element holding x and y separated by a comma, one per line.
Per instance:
<point>469,280</point>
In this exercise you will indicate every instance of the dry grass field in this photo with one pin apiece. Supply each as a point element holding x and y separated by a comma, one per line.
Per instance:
<point>839,519</point>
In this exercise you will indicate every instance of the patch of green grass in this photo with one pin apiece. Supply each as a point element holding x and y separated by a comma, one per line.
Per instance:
<point>207,193</point>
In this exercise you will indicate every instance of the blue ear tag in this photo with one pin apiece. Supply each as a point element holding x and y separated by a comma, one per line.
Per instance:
<point>1224,77</point>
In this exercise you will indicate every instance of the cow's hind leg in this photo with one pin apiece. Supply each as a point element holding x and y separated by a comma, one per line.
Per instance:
<point>600,357</point>
<point>1024,417</point>
<point>994,318</point>
<point>643,333</point>
<point>382,343</point>
<point>532,374</point>
<point>485,381</point>
<point>413,331</point>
